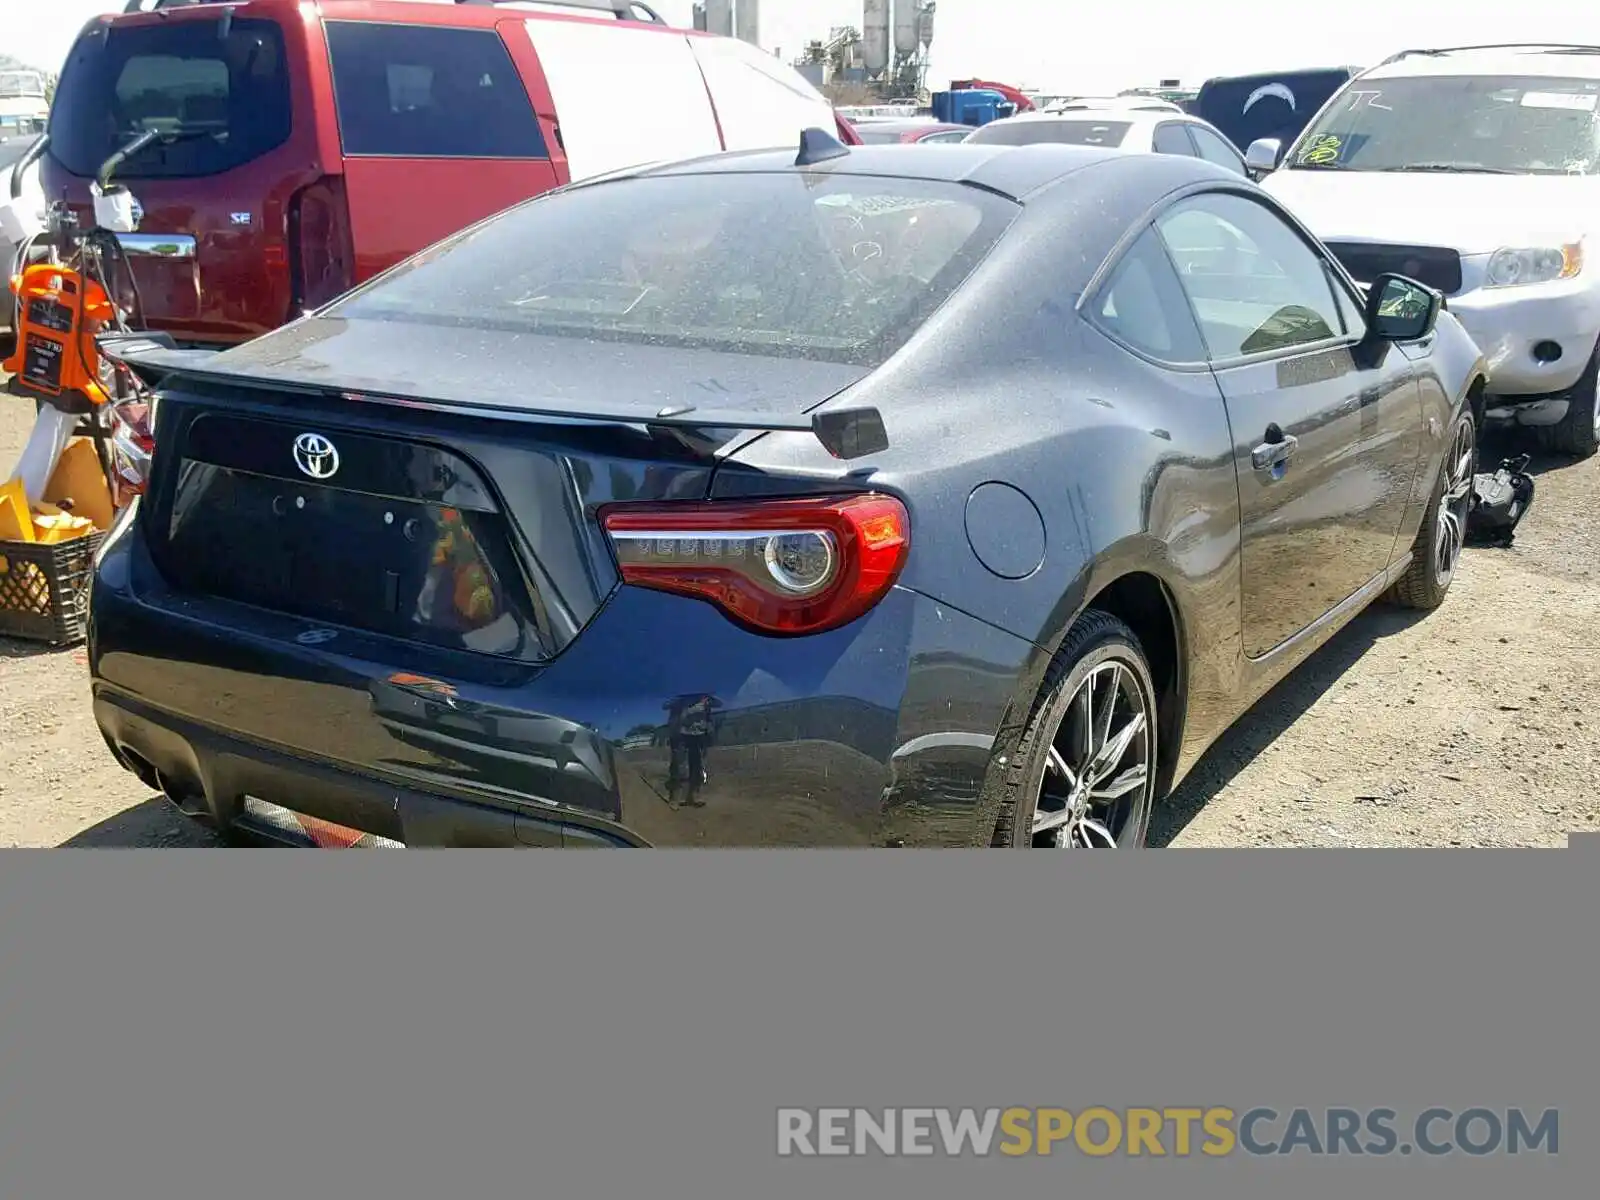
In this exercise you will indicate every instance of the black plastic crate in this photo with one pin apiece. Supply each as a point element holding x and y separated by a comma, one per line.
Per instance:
<point>44,589</point>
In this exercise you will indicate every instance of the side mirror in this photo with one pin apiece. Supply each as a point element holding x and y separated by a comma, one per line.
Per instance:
<point>1263,156</point>
<point>1401,309</point>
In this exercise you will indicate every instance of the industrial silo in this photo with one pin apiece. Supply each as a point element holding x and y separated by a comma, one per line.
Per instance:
<point>719,17</point>
<point>906,15</point>
<point>875,36</point>
<point>747,16</point>
<point>925,24</point>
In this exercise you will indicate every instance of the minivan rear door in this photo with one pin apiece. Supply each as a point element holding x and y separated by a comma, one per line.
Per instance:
<point>210,256</point>
<point>438,131</point>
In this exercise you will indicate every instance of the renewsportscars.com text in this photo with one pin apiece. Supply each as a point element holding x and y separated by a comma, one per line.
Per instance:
<point>1215,1132</point>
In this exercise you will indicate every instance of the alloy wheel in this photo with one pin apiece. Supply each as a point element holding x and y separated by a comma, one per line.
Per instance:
<point>1455,505</point>
<point>1101,762</point>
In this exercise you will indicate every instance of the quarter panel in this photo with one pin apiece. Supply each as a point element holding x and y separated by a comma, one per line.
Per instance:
<point>1128,464</point>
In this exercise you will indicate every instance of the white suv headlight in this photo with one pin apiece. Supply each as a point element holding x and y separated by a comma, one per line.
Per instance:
<point>1513,268</point>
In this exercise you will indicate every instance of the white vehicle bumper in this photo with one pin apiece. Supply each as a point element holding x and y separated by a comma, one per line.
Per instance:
<point>1536,340</point>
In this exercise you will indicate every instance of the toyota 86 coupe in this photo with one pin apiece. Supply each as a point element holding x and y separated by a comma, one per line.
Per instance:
<point>854,496</point>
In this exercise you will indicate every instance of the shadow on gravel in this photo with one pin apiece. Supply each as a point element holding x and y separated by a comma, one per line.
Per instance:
<point>17,648</point>
<point>1498,445</point>
<point>152,824</point>
<point>1272,715</point>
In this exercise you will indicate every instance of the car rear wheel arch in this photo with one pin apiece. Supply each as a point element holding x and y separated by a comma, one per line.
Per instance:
<point>1146,605</point>
<point>1143,602</point>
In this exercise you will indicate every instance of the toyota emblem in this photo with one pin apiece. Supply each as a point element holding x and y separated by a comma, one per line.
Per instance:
<point>315,456</point>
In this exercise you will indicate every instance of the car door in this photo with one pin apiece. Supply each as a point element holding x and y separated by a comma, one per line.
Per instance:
<point>438,131</point>
<point>1214,148</point>
<point>1326,431</point>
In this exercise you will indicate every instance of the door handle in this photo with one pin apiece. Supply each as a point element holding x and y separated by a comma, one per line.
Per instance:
<point>1272,454</point>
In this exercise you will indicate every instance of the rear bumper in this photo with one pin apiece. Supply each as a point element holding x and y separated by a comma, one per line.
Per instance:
<point>877,733</point>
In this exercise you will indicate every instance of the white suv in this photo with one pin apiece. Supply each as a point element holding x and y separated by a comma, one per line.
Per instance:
<point>1476,171</point>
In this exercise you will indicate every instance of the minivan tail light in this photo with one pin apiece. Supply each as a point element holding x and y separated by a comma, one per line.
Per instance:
<point>774,566</point>
<point>321,255</point>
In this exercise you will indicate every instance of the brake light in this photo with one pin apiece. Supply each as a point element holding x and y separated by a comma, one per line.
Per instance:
<point>775,566</point>
<point>321,257</point>
<point>132,444</point>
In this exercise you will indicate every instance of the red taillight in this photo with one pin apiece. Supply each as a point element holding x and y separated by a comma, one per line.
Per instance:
<point>776,566</point>
<point>132,445</point>
<point>321,256</point>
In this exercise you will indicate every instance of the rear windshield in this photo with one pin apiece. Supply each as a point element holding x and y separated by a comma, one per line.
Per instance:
<point>223,98</point>
<point>1086,132</point>
<point>871,136</point>
<point>839,269</point>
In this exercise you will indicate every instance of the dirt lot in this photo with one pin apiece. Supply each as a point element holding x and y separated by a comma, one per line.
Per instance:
<point>1474,726</point>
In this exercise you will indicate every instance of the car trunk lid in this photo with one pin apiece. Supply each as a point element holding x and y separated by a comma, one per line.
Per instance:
<point>452,504</point>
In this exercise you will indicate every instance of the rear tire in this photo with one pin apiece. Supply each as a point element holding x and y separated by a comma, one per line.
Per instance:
<point>1084,773</point>
<point>1436,553</point>
<point>1578,433</point>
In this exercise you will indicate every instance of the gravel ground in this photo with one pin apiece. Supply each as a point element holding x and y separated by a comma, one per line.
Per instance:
<point>1473,726</point>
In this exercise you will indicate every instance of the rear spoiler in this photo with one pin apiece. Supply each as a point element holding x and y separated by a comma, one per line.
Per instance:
<point>846,433</point>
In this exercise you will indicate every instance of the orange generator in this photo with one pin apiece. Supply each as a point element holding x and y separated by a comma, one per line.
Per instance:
<point>59,314</point>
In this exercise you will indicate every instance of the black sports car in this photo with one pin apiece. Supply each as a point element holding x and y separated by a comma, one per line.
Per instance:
<point>911,495</point>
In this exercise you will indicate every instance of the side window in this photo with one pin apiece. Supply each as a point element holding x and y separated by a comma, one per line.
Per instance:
<point>604,126</point>
<point>1172,138</point>
<point>760,101</point>
<point>1213,149</point>
<point>420,91</point>
<point>1142,304</point>
<point>1255,285</point>
<point>949,135</point>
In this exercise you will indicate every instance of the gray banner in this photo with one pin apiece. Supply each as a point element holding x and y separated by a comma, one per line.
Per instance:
<point>454,1025</point>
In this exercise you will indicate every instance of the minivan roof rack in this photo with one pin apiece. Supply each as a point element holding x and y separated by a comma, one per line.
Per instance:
<point>137,6</point>
<point>623,10</point>
<point>1544,47</point>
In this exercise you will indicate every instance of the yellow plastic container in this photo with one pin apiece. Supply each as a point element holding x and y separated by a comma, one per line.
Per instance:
<point>16,521</point>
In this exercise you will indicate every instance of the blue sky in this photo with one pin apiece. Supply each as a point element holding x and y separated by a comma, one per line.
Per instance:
<point>1056,44</point>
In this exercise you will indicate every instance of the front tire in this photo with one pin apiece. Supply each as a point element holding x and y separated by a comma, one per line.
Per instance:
<point>1578,433</point>
<point>1084,774</point>
<point>1437,551</point>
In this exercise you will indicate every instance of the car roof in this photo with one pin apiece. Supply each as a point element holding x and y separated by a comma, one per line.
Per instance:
<point>1012,171</point>
<point>1217,81</point>
<point>1579,61</point>
<point>414,12</point>
<point>1132,116</point>
<point>1109,103</point>
<point>904,124</point>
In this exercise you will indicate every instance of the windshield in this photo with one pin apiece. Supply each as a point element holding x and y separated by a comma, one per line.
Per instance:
<point>1537,125</point>
<point>840,269</point>
<point>1086,132</point>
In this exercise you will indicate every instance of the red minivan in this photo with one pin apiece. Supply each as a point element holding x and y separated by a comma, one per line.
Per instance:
<point>313,145</point>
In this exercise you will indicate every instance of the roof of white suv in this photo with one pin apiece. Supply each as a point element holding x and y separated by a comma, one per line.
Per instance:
<point>1100,116</point>
<point>1570,61</point>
